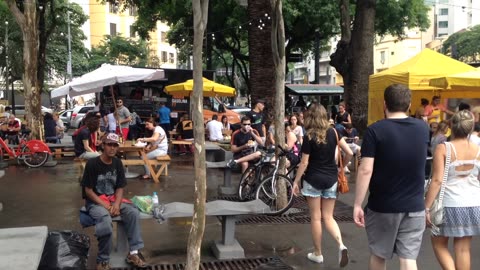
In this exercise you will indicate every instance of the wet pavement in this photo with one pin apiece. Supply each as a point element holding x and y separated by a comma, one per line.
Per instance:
<point>52,197</point>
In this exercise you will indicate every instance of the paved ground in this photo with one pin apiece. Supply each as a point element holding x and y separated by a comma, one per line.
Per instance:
<point>52,197</point>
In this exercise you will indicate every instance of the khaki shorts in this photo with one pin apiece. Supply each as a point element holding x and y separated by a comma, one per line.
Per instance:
<point>399,233</point>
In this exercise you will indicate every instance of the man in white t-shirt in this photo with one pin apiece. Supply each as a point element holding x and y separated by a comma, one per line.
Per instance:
<point>214,128</point>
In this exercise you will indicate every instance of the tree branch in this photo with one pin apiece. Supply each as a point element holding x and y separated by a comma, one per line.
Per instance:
<point>19,16</point>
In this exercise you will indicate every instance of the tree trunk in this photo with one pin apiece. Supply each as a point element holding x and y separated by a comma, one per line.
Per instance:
<point>28,22</point>
<point>262,73</point>
<point>354,60</point>
<point>200,17</point>
<point>278,50</point>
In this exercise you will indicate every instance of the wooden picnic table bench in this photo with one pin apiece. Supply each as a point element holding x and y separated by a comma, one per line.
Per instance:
<point>227,211</point>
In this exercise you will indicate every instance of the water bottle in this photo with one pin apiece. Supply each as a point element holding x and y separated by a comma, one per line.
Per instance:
<point>155,200</point>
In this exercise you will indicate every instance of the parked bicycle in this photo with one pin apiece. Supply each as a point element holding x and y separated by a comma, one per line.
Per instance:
<point>253,175</point>
<point>34,153</point>
<point>271,188</point>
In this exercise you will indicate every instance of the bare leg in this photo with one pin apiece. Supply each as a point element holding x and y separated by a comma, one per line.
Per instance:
<point>462,252</point>
<point>244,166</point>
<point>440,247</point>
<point>377,263</point>
<point>408,264</point>
<point>314,205</point>
<point>252,156</point>
<point>330,224</point>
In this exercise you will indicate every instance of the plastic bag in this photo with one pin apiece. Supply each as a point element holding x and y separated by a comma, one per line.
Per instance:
<point>65,250</point>
<point>143,203</point>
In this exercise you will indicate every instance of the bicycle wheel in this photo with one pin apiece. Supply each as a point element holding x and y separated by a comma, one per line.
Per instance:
<point>245,187</point>
<point>33,159</point>
<point>270,192</point>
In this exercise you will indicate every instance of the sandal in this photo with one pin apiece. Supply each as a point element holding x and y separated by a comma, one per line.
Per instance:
<point>145,177</point>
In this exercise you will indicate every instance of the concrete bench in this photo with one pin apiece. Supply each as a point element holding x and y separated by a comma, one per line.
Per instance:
<point>227,211</point>
<point>227,188</point>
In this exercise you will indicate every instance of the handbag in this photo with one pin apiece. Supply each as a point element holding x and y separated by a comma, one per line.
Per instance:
<point>436,210</point>
<point>342,179</point>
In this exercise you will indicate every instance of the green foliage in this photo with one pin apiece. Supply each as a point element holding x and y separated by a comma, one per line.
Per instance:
<point>464,45</point>
<point>120,51</point>
<point>394,16</point>
<point>56,48</point>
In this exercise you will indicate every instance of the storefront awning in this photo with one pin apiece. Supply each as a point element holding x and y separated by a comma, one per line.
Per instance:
<point>313,89</point>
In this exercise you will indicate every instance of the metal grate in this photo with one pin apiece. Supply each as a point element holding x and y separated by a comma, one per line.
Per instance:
<point>234,264</point>
<point>297,214</point>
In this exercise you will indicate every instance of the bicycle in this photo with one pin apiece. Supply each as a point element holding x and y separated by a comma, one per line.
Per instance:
<point>34,153</point>
<point>253,174</point>
<point>270,189</point>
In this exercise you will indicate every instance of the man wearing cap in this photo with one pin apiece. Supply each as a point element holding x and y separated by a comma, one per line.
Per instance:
<point>103,185</point>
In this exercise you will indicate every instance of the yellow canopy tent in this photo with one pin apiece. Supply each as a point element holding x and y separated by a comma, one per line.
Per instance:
<point>416,74</point>
<point>210,89</point>
<point>460,81</point>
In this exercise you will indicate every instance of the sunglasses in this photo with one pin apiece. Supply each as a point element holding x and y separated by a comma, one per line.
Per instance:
<point>246,124</point>
<point>119,101</point>
<point>112,144</point>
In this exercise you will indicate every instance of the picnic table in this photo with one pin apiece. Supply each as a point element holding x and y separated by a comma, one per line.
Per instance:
<point>135,155</point>
<point>21,248</point>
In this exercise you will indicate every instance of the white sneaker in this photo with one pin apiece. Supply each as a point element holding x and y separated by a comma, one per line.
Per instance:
<point>343,256</point>
<point>315,258</point>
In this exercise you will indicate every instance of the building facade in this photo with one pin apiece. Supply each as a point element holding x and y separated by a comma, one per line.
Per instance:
<point>110,19</point>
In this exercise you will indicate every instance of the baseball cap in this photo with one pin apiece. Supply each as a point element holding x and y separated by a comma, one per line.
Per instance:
<point>111,138</point>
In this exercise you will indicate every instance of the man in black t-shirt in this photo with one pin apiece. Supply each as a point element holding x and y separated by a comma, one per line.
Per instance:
<point>103,185</point>
<point>394,152</point>
<point>258,119</point>
<point>243,142</point>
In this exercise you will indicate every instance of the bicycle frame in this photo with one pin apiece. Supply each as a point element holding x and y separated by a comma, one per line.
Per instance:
<point>35,146</point>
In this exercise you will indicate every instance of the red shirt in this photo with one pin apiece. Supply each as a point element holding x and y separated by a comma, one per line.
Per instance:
<point>11,126</point>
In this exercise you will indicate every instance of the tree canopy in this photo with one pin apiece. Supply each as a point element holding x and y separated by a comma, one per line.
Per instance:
<point>464,45</point>
<point>120,51</point>
<point>56,47</point>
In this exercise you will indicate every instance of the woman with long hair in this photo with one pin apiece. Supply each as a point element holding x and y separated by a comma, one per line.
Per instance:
<point>319,184</point>
<point>157,143</point>
<point>461,207</point>
<point>296,128</point>
<point>225,123</point>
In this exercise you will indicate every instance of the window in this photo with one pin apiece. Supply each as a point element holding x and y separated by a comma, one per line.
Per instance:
<point>382,57</point>
<point>163,36</point>
<point>132,11</point>
<point>171,58</point>
<point>164,57</point>
<point>443,24</point>
<point>113,8</point>
<point>444,11</point>
<point>113,29</point>
<point>132,31</point>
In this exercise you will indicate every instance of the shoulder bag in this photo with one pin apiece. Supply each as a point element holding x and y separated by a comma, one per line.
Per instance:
<point>436,210</point>
<point>342,179</point>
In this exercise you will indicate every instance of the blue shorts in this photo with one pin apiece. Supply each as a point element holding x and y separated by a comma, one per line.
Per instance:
<point>329,193</point>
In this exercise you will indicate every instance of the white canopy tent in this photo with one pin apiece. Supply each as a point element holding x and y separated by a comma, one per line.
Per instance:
<point>106,75</point>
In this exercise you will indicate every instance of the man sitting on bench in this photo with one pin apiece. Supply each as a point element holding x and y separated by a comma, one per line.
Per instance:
<point>102,188</point>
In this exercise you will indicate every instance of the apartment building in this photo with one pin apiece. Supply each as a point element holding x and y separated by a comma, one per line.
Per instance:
<point>109,19</point>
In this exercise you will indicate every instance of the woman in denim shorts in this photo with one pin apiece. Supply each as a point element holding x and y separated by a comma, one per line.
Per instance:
<point>320,179</point>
